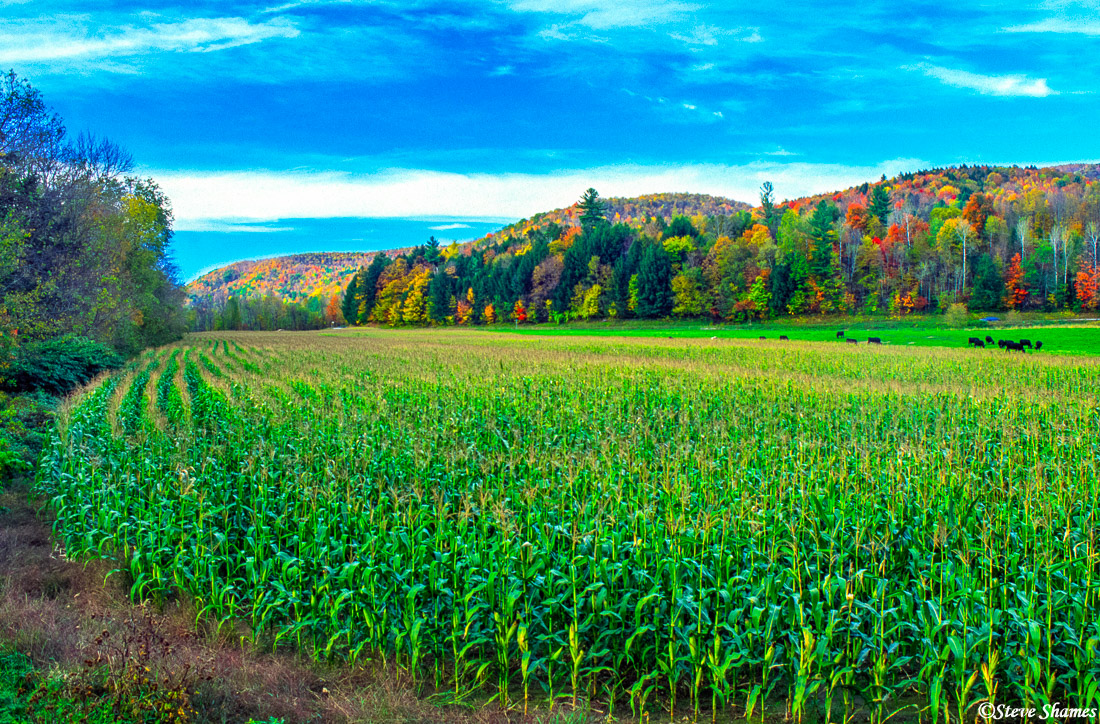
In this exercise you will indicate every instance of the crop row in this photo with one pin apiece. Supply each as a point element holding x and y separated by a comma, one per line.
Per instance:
<point>647,524</point>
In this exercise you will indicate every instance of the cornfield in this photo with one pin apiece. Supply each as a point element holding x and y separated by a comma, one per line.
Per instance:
<point>714,528</point>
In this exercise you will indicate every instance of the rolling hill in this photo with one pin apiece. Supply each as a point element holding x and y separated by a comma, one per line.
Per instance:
<point>298,277</point>
<point>301,276</point>
<point>295,278</point>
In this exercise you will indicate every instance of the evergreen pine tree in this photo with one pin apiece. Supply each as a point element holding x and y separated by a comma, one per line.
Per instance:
<point>592,209</point>
<point>823,237</point>
<point>989,286</point>
<point>654,283</point>
<point>439,296</point>
<point>367,287</point>
<point>349,306</point>
<point>879,204</point>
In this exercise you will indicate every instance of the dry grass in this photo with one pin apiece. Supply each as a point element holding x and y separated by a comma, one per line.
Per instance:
<point>54,610</point>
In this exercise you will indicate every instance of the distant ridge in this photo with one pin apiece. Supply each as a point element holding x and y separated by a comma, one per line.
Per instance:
<point>296,277</point>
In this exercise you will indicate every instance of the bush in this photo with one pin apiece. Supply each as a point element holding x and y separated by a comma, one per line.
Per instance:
<point>956,315</point>
<point>60,365</point>
<point>24,423</point>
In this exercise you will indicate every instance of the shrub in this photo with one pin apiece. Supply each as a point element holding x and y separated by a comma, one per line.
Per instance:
<point>956,315</point>
<point>25,421</point>
<point>59,365</point>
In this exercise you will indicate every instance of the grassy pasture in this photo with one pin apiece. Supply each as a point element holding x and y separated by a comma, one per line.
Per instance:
<point>1058,338</point>
<point>689,526</point>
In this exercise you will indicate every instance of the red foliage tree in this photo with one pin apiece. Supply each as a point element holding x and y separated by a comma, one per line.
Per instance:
<point>1016,294</point>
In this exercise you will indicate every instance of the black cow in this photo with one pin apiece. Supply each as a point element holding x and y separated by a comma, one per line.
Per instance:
<point>874,340</point>
<point>1025,342</point>
<point>1001,343</point>
<point>763,337</point>
<point>840,334</point>
<point>988,339</point>
<point>783,336</point>
<point>975,342</point>
<point>853,341</point>
<point>1038,345</point>
<point>1013,346</point>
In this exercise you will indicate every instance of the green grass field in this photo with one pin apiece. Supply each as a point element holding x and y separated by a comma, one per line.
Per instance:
<point>676,528</point>
<point>1057,337</point>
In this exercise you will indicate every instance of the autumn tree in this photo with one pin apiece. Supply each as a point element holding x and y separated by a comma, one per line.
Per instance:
<point>978,209</point>
<point>1015,290</point>
<point>688,293</point>
<point>333,314</point>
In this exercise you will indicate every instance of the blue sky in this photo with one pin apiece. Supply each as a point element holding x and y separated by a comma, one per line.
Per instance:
<point>498,109</point>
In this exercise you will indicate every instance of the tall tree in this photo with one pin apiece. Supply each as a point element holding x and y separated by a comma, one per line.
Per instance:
<point>879,204</point>
<point>593,210</point>
<point>366,287</point>
<point>349,307</point>
<point>767,207</point>
<point>439,296</point>
<point>989,286</point>
<point>654,279</point>
<point>823,238</point>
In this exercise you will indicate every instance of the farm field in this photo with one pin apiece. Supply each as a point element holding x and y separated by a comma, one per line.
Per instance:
<point>687,527</point>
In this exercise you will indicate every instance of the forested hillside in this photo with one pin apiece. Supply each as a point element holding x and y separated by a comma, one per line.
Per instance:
<point>287,292</point>
<point>294,292</point>
<point>85,279</point>
<point>294,278</point>
<point>989,238</point>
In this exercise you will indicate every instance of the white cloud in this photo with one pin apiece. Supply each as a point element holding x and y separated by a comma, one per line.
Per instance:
<point>601,15</point>
<point>990,85</point>
<point>449,227</point>
<point>1066,26</point>
<point>227,224</point>
<point>73,37</point>
<point>265,195</point>
<point>711,35</point>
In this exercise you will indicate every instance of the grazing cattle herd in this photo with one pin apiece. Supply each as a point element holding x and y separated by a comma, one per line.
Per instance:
<point>1005,344</point>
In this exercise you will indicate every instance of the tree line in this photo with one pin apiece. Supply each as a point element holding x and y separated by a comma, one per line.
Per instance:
<point>85,276</point>
<point>267,312</point>
<point>992,240</point>
<point>83,243</point>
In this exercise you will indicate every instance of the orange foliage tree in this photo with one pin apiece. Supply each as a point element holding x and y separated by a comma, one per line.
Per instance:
<point>857,217</point>
<point>333,315</point>
<point>1088,279</point>
<point>1015,293</point>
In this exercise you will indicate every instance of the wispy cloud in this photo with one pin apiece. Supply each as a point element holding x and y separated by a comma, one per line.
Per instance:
<point>449,227</point>
<point>1012,84</point>
<point>75,37</point>
<point>229,224</point>
<point>1067,26</point>
<point>601,15</point>
<point>248,197</point>
<point>711,35</point>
